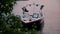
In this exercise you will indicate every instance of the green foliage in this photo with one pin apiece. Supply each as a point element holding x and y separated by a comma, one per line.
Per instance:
<point>6,6</point>
<point>33,31</point>
<point>9,23</point>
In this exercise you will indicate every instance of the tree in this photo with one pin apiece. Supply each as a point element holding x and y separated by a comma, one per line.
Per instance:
<point>8,22</point>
